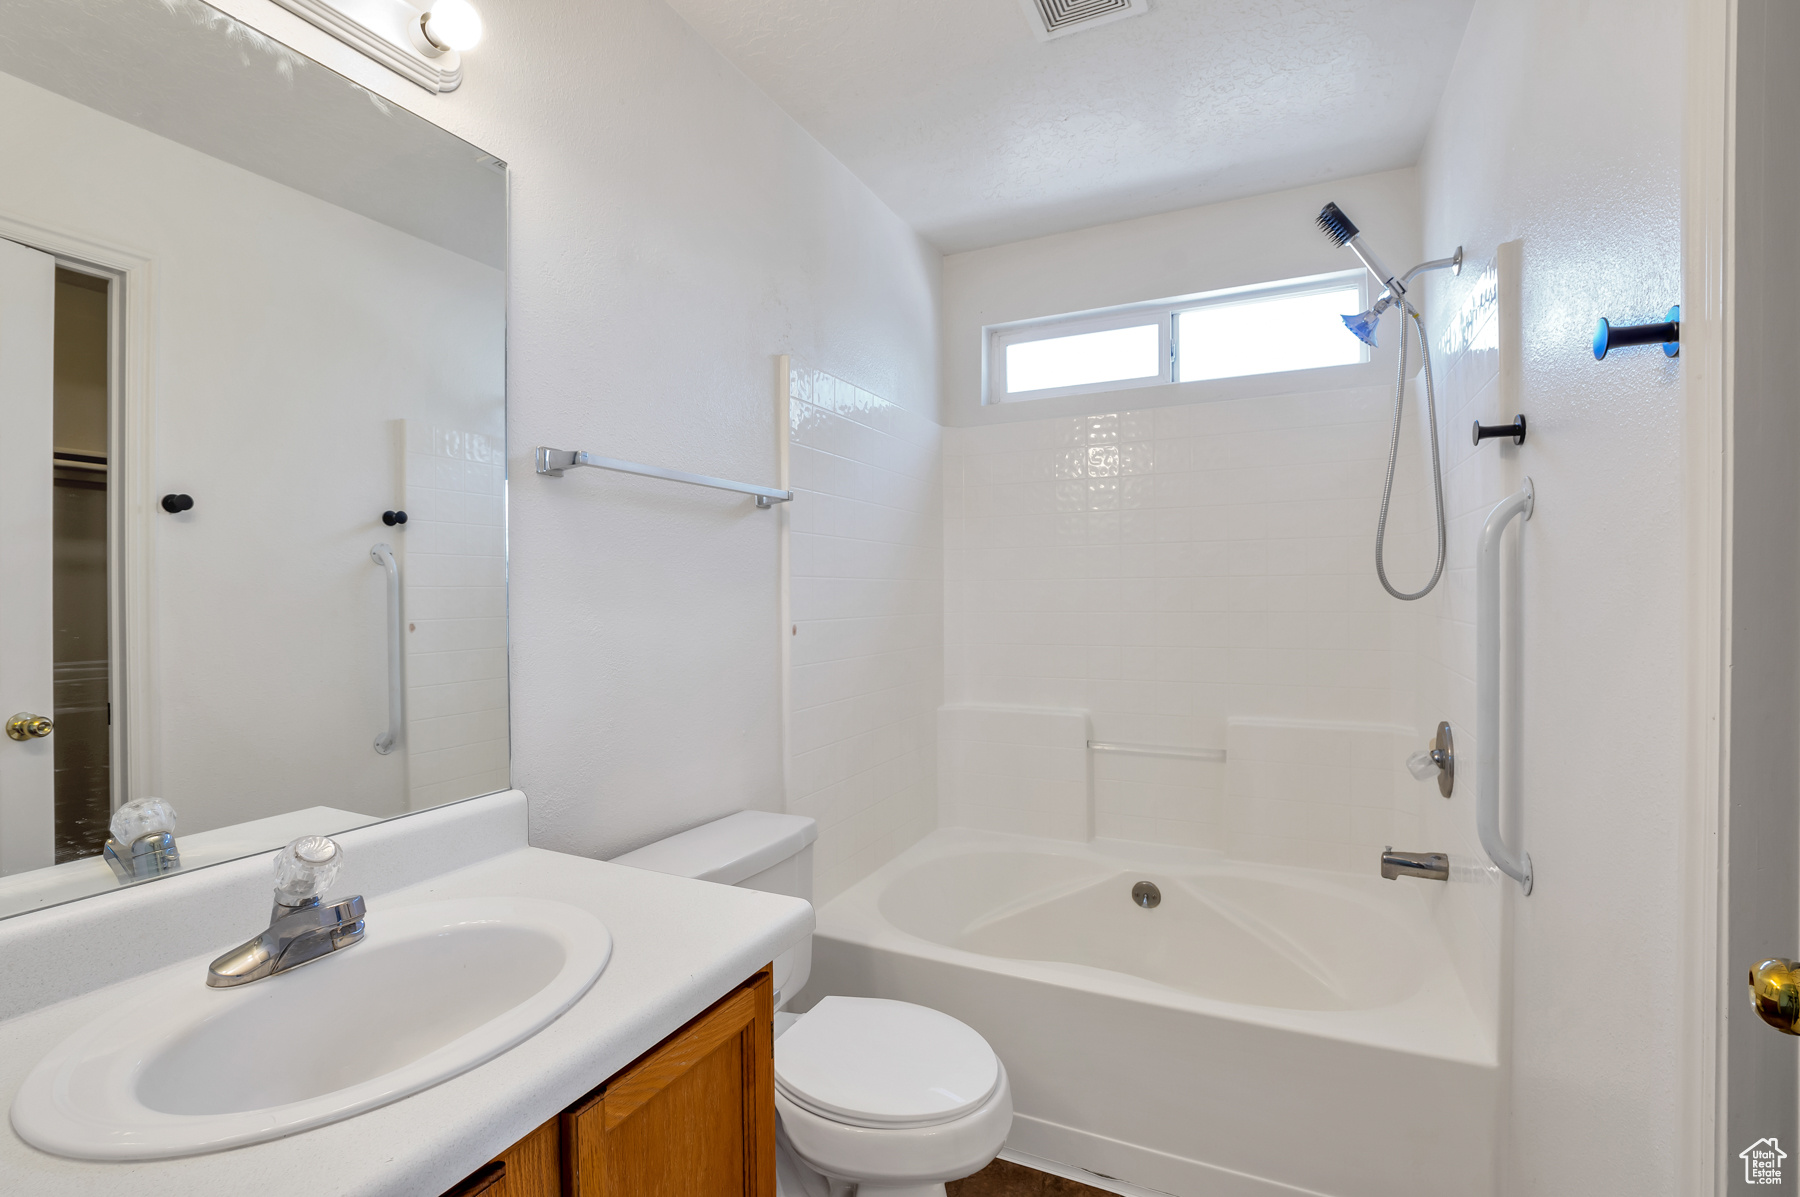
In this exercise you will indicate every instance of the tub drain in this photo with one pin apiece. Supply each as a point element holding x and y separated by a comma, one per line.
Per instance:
<point>1145,894</point>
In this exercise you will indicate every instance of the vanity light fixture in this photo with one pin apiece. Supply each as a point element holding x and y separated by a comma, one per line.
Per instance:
<point>424,45</point>
<point>447,26</point>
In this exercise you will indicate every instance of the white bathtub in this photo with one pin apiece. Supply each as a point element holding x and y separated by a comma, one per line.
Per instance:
<point>1263,1030</point>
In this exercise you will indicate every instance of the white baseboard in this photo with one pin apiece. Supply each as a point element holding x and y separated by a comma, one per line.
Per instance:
<point>1091,1179</point>
<point>1103,1163</point>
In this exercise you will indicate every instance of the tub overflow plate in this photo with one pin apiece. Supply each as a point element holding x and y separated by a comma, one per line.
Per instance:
<point>1145,894</point>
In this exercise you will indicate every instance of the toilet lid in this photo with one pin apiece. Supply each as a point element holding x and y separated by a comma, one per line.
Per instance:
<point>874,1062</point>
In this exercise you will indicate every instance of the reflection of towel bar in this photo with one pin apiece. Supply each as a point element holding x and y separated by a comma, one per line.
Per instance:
<point>553,462</point>
<point>1188,754</point>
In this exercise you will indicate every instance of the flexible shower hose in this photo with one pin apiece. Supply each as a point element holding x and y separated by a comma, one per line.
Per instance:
<point>1437,475</point>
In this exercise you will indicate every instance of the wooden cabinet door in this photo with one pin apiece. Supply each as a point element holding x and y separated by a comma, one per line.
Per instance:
<point>693,1117</point>
<point>532,1167</point>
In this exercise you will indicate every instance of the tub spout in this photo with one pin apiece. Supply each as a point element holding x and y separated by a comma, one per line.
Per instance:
<point>1433,866</point>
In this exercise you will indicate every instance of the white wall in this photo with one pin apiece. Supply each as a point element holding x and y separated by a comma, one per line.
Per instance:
<point>866,630</point>
<point>1561,128</point>
<point>286,334</point>
<point>672,232</point>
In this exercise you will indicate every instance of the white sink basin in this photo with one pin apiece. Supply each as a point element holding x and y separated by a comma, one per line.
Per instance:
<point>433,990</point>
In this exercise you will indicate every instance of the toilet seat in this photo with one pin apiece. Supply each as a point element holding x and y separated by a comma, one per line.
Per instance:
<point>871,1062</point>
<point>897,1159</point>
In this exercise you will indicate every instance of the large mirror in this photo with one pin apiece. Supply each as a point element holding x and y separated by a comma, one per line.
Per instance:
<point>252,433</point>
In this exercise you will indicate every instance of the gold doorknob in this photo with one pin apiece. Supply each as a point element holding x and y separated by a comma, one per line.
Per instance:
<point>26,726</point>
<point>1775,992</point>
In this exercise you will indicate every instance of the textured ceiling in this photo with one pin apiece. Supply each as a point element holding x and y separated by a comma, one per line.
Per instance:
<point>977,133</point>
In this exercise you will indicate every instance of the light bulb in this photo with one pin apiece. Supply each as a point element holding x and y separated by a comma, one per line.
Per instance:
<point>452,25</point>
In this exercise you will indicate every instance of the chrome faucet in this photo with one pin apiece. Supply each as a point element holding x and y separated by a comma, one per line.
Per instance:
<point>142,843</point>
<point>301,927</point>
<point>1433,866</point>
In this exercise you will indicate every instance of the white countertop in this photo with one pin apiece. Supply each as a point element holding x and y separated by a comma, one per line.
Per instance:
<point>678,945</point>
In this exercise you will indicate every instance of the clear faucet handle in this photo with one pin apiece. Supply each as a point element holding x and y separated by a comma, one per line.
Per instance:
<point>306,868</point>
<point>141,817</point>
<point>1422,765</point>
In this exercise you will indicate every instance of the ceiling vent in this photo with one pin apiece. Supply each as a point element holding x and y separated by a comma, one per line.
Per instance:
<point>1059,18</point>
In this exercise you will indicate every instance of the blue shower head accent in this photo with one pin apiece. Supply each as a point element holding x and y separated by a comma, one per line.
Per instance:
<point>1334,224</point>
<point>1364,324</point>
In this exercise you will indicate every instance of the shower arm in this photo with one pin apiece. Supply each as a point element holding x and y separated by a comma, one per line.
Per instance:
<point>1453,264</point>
<point>1396,287</point>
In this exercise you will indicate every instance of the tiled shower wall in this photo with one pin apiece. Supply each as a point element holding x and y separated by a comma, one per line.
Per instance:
<point>1171,570</point>
<point>866,600</point>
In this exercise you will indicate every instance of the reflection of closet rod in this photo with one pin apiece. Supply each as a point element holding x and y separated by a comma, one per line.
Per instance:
<point>383,555</point>
<point>1189,754</point>
<point>553,462</point>
<point>1516,865</point>
<point>75,459</point>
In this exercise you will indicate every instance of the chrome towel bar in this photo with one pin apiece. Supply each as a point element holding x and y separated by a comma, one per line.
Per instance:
<point>552,463</point>
<point>1189,754</point>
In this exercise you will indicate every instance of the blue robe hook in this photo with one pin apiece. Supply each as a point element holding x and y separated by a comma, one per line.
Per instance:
<point>1667,334</point>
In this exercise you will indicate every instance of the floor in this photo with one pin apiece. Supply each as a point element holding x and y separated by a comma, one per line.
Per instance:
<point>1002,1178</point>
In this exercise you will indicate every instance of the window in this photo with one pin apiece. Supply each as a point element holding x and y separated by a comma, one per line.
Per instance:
<point>1297,331</point>
<point>1293,325</point>
<point>1115,355</point>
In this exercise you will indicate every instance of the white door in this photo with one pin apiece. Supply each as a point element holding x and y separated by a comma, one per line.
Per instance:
<point>27,684</point>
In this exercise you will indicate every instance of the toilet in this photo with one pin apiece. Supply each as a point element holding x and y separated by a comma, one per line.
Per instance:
<point>875,1097</point>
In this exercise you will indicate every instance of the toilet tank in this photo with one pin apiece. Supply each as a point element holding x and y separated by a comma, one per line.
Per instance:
<point>753,849</point>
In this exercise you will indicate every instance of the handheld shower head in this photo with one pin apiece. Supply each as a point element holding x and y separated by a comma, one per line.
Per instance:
<point>1343,231</point>
<point>1336,225</point>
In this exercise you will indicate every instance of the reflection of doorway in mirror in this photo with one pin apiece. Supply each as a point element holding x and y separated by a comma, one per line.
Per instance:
<point>79,591</point>
<point>454,587</point>
<point>57,641</point>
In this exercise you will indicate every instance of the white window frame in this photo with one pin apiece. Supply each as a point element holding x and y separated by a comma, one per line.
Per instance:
<point>1161,312</point>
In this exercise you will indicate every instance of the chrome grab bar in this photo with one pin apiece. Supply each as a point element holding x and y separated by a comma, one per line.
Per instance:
<point>552,463</point>
<point>1516,865</point>
<point>1189,754</point>
<point>383,555</point>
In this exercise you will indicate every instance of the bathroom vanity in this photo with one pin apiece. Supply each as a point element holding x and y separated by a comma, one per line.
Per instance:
<point>695,1114</point>
<point>664,1062</point>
